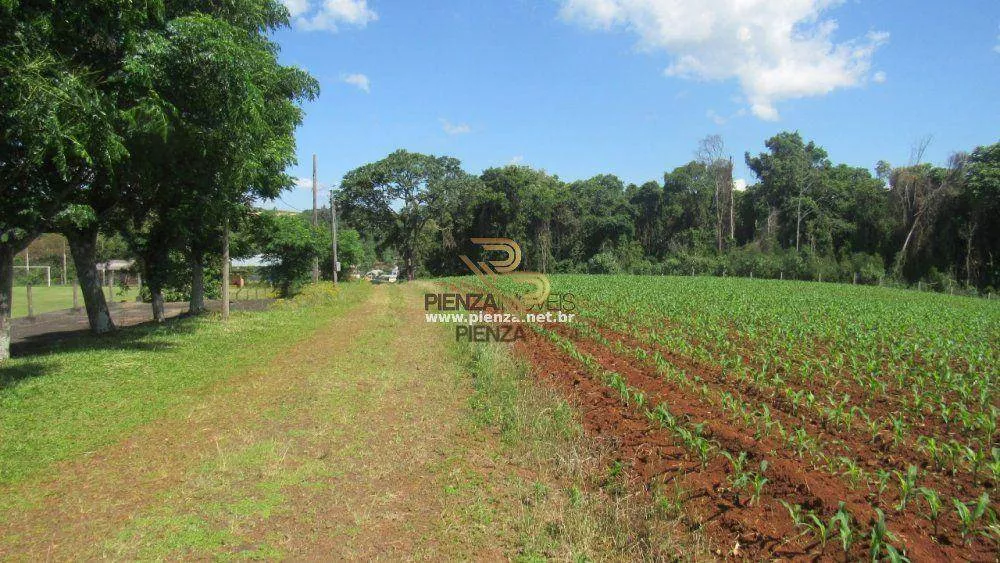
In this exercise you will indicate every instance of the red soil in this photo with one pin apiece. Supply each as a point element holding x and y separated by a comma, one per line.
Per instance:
<point>761,530</point>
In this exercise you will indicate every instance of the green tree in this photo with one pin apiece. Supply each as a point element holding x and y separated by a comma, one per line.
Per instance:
<point>224,146</point>
<point>791,184</point>
<point>55,124</point>
<point>981,230</point>
<point>288,244</point>
<point>397,196</point>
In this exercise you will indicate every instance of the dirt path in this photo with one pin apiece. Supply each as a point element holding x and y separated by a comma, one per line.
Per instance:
<point>350,446</point>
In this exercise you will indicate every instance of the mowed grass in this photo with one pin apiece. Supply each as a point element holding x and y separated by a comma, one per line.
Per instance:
<point>94,390</point>
<point>47,299</point>
<point>379,437</point>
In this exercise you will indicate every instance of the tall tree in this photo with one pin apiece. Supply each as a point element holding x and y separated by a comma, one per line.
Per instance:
<point>712,153</point>
<point>224,146</point>
<point>396,195</point>
<point>791,175</point>
<point>55,130</point>
<point>982,228</point>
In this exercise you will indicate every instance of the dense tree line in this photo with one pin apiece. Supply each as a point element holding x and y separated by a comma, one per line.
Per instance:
<point>157,122</point>
<point>805,218</point>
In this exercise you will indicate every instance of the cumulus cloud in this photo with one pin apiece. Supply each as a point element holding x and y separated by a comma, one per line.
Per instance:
<point>327,15</point>
<point>776,49</point>
<point>455,128</point>
<point>359,81</point>
<point>878,77</point>
<point>739,184</point>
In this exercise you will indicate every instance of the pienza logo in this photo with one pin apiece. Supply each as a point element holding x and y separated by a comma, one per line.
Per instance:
<point>500,311</point>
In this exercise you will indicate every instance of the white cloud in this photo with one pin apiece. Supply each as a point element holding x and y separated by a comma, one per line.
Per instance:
<point>516,160</point>
<point>360,81</point>
<point>716,118</point>
<point>739,184</point>
<point>307,185</point>
<point>776,49</point>
<point>455,128</point>
<point>326,15</point>
<point>878,77</point>
<point>297,7</point>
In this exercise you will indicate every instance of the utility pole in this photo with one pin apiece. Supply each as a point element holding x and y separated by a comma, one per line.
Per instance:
<point>333,228</point>
<point>315,220</point>
<point>225,271</point>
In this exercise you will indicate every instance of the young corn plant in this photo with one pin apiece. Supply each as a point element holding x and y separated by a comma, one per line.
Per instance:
<point>970,514</point>
<point>757,482</point>
<point>796,513</point>
<point>974,458</point>
<point>739,478</point>
<point>843,524</point>
<point>907,486</point>
<point>882,478</point>
<point>934,505</point>
<point>879,538</point>
<point>819,529</point>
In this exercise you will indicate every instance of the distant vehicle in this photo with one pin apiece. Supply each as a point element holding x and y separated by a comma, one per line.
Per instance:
<point>379,276</point>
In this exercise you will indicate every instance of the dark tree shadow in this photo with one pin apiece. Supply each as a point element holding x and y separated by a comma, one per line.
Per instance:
<point>38,349</point>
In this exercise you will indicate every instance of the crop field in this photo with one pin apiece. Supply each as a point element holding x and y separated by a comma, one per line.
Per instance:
<point>792,419</point>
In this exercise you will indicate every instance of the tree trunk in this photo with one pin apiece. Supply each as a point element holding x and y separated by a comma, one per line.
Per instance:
<point>197,304</point>
<point>901,260</point>
<point>156,294</point>
<point>408,258</point>
<point>83,247</point>
<point>225,272</point>
<point>6,296</point>
<point>798,221</point>
<point>968,254</point>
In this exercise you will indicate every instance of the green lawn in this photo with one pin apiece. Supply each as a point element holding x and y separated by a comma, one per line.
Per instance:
<point>55,298</point>
<point>95,390</point>
<point>335,426</point>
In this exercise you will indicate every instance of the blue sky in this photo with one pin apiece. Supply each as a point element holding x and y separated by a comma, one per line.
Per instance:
<point>582,87</point>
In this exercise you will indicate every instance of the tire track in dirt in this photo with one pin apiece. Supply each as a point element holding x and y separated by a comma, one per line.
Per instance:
<point>388,502</point>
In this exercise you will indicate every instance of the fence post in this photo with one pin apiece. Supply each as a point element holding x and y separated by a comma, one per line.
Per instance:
<point>76,296</point>
<point>31,304</point>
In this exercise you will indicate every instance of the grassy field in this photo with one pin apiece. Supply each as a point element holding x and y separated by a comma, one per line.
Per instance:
<point>324,428</point>
<point>55,298</point>
<point>96,390</point>
<point>805,412</point>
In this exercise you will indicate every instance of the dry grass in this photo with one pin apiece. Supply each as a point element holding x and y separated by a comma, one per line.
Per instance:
<point>574,501</point>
